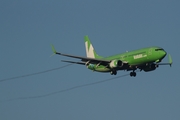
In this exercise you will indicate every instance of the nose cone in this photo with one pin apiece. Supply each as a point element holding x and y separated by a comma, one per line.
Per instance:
<point>162,53</point>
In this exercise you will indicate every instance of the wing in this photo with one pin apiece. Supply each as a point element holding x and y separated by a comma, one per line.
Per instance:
<point>170,61</point>
<point>83,59</point>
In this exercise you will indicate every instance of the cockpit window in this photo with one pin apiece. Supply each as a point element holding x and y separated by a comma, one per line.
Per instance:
<point>159,49</point>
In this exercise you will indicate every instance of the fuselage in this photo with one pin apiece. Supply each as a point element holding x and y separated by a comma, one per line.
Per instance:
<point>133,58</point>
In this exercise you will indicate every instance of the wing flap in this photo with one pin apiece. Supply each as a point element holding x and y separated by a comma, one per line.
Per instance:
<point>81,63</point>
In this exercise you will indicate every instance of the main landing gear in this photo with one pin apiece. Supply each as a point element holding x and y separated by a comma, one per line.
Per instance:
<point>133,74</point>
<point>114,72</point>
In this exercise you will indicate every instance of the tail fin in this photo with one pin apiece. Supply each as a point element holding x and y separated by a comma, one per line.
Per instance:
<point>90,52</point>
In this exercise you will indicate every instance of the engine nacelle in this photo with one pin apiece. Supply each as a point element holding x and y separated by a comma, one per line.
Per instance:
<point>115,63</point>
<point>150,67</point>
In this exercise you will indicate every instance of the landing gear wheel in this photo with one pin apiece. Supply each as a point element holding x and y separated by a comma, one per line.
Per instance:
<point>113,72</point>
<point>133,74</point>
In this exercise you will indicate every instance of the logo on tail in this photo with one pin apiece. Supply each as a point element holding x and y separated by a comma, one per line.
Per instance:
<point>90,52</point>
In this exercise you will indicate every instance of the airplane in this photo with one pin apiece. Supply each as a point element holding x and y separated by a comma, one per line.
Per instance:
<point>146,59</point>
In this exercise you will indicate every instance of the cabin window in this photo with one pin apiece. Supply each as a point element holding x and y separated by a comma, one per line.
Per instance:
<point>159,49</point>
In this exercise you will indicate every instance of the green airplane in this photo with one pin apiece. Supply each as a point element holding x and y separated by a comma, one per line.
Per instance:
<point>146,59</point>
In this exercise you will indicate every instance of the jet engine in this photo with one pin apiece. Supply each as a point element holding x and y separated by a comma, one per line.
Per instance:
<point>150,67</point>
<point>115,63</point>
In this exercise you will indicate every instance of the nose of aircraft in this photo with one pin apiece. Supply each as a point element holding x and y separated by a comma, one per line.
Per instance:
<point>162,53</point>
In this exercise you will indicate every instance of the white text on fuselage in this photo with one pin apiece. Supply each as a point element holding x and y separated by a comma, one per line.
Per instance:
<point>139,56</point>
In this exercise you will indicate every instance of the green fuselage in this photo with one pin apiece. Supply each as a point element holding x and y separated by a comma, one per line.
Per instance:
<point>133,58</point>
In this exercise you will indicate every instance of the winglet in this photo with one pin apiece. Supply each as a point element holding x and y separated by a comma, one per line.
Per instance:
<point>53,49</point>
<point>170,60</point>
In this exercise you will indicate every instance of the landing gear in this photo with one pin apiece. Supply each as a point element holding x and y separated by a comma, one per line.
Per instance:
<point>113,72</point>
<point>133,74</point>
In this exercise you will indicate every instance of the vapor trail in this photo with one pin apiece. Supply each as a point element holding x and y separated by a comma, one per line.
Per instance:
<point>41,72</point>
<point>68,89</point>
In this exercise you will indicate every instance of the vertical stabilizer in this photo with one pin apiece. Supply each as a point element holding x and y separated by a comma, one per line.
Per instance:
<point>90,52</point>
